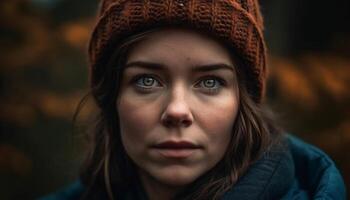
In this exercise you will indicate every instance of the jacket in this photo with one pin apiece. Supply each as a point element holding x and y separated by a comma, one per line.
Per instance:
<point>299,172</point>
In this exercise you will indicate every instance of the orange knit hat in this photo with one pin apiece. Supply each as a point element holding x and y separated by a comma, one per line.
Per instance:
<point>237,22</point>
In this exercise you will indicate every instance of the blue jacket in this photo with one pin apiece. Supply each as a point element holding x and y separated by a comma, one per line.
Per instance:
<point>301,172</point>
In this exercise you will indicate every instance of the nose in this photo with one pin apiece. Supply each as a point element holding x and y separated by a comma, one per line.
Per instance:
<point>177,112</point>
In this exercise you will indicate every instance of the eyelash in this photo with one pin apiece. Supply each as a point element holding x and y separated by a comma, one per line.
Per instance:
<point>214,90</point>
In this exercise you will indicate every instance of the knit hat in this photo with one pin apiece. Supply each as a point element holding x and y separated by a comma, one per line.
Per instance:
<point>236,22</point>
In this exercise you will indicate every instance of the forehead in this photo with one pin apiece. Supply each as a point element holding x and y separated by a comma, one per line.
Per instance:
<point>179,46</point>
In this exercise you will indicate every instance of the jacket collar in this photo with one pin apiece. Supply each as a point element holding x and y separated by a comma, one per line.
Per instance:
<point>268,178</point>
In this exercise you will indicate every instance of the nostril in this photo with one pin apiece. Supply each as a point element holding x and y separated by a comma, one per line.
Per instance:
<point>169,121</point>
<point>186,122</point>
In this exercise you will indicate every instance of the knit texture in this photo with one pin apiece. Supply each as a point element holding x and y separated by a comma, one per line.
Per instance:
<point>236,22</point>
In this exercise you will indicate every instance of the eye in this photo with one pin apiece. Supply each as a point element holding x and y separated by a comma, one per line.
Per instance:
<point>147,82</point>
<point>210,84</point>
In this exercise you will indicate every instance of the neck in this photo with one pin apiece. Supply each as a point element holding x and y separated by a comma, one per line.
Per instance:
<point>156,190</point>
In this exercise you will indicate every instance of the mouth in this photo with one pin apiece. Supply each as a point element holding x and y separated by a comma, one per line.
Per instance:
<point>176,149</point>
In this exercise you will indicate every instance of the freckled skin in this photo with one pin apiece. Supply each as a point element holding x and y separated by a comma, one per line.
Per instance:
<point>199,117</point>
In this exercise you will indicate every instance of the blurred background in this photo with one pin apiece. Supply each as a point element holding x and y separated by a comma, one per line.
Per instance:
<point>43,75</point>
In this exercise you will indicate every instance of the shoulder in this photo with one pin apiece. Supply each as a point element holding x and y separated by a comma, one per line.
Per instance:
<point>70,192</point>
<point>316,175</point>
<point>290,169</point>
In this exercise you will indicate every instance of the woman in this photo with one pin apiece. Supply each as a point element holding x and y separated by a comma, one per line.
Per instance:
<point>179,86</point>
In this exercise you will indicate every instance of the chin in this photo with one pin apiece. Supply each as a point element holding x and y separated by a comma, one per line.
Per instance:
<point>176,176</point>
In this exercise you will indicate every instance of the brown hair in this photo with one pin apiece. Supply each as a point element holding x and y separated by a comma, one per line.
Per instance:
<point>108,171</point>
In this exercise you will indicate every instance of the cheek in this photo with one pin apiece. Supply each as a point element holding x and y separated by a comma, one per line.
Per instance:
<point>217,119</point>
<point>137,119</point>
<point>219,112</point>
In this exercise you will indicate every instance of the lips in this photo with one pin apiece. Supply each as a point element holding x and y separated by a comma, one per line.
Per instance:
<point>176,149</point>
<point>176,145</point>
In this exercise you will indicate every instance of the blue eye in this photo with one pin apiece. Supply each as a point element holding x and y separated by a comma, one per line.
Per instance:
<point>146,81</point>
<point>210,84</point>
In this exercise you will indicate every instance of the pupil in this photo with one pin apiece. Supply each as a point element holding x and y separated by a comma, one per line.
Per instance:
<point>148,81</point>
<point>209,83</point>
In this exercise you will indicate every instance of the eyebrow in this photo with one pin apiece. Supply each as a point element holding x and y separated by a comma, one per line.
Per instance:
<point>197,68</point>
<point>146,65</point>
<point>211,67</point>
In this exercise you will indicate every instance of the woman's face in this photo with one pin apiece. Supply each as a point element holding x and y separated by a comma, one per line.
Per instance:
<point>177,105</point>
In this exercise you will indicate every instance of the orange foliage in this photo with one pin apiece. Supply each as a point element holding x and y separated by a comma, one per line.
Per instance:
<point>77,34</point>
<point>18,113</point>
<point>35,41</point>
<point>332,73</point>
<point>304,81</point>
<point>43,102</point>
<point>293,84</point>
<point>14,161</point>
